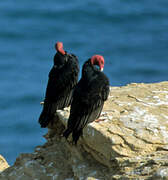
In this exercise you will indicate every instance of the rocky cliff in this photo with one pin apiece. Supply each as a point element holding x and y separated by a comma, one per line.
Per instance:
<point>131,141</point>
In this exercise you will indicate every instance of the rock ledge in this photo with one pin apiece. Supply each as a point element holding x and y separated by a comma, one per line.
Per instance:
<point>131,142</point>
<point>3,164</point>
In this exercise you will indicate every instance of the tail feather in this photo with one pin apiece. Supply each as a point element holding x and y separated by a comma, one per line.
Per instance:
<point>67,133</point>
<point>46,115</point>
<point>76,134</point>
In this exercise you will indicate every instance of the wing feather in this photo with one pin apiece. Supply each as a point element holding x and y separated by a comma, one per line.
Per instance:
<point>61,83</point>
<point>88,100</point>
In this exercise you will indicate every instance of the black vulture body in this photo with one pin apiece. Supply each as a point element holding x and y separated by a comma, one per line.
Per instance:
<point>88,100</point>
<point>63,77</point>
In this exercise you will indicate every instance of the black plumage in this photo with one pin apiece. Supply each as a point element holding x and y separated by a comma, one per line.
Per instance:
<point>88,98</point>
<point>63,78</point>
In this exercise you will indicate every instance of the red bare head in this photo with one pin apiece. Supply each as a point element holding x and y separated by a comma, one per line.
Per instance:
<point>59,48</point>
<point>98,60</point>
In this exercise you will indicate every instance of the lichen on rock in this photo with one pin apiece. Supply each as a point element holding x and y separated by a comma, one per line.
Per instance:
<point>131,142</point>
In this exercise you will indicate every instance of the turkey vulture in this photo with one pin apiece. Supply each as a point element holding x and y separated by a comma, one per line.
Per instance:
<point>63,77</point>
<point>88,98</point>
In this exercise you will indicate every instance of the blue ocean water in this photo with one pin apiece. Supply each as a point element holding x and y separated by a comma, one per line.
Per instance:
<point>131,35</point>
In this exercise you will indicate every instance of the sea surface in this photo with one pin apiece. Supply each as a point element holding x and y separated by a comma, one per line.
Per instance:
<point>131,35</point>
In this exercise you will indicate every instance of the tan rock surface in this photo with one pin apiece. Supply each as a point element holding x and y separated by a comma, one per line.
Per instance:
<point>131,142</point>
<point>3,164</point>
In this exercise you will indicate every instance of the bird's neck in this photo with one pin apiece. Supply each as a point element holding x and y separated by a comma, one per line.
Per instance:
<point>88,71</point>
<point>60,59</point>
